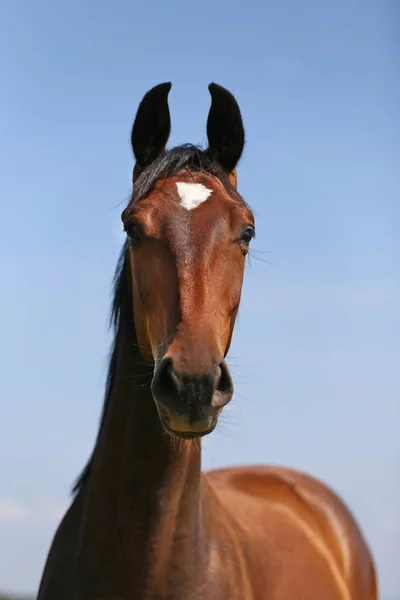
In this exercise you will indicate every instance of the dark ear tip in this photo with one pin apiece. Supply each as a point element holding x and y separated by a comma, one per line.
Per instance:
<point>167,86</point>
<point>162,89</point>
<point>215,89</point>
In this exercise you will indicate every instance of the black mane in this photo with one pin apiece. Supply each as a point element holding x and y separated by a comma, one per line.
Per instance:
<point>169,163</point>
<point>120,310</point>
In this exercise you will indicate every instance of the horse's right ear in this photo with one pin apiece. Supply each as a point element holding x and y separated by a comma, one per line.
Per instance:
<point>152,126</point>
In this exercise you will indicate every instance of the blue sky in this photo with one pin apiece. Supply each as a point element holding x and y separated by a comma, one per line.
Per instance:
<point>316,346</point>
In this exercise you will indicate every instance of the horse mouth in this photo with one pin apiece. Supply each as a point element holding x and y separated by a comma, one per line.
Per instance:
<point>187,435</point>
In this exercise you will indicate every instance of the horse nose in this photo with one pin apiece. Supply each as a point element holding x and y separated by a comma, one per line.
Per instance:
<point>166,385</point>
<point>223,390</point>
<point>191,396</point>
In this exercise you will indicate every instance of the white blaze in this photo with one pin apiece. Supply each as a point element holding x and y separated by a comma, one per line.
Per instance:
<point>192,194</point>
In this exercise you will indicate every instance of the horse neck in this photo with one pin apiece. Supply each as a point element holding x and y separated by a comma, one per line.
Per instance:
<point>142,499</point>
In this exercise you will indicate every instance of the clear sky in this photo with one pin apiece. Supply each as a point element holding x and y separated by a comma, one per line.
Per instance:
<point>316,352</point>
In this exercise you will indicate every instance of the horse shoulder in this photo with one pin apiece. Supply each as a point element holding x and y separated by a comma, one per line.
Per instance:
<point>312,506</point>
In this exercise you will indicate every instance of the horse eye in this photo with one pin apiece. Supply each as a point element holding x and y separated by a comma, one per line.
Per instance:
<point>134,232</point>
<point>247,235</point>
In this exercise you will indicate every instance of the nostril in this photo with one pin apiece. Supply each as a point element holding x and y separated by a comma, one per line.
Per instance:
<point>224,383</point>
<point>165,384</point>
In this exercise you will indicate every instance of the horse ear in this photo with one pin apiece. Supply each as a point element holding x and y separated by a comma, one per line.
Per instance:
<point>152,126</point>
<point>225,130</point>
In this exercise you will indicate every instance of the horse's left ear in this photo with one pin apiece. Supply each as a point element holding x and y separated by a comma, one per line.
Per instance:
<point>152,126</point>
<point>225,130</point>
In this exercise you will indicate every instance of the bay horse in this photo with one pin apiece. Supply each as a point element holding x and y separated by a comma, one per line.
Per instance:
<point>145,522</point>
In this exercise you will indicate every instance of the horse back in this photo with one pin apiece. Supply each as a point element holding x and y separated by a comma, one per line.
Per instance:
<point>288,518</point>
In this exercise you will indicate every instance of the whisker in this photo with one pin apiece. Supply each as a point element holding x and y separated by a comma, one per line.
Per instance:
<point>257,255</point>
<point>223,431</point>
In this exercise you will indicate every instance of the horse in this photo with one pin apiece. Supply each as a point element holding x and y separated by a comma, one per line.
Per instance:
<point>145,521</point>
